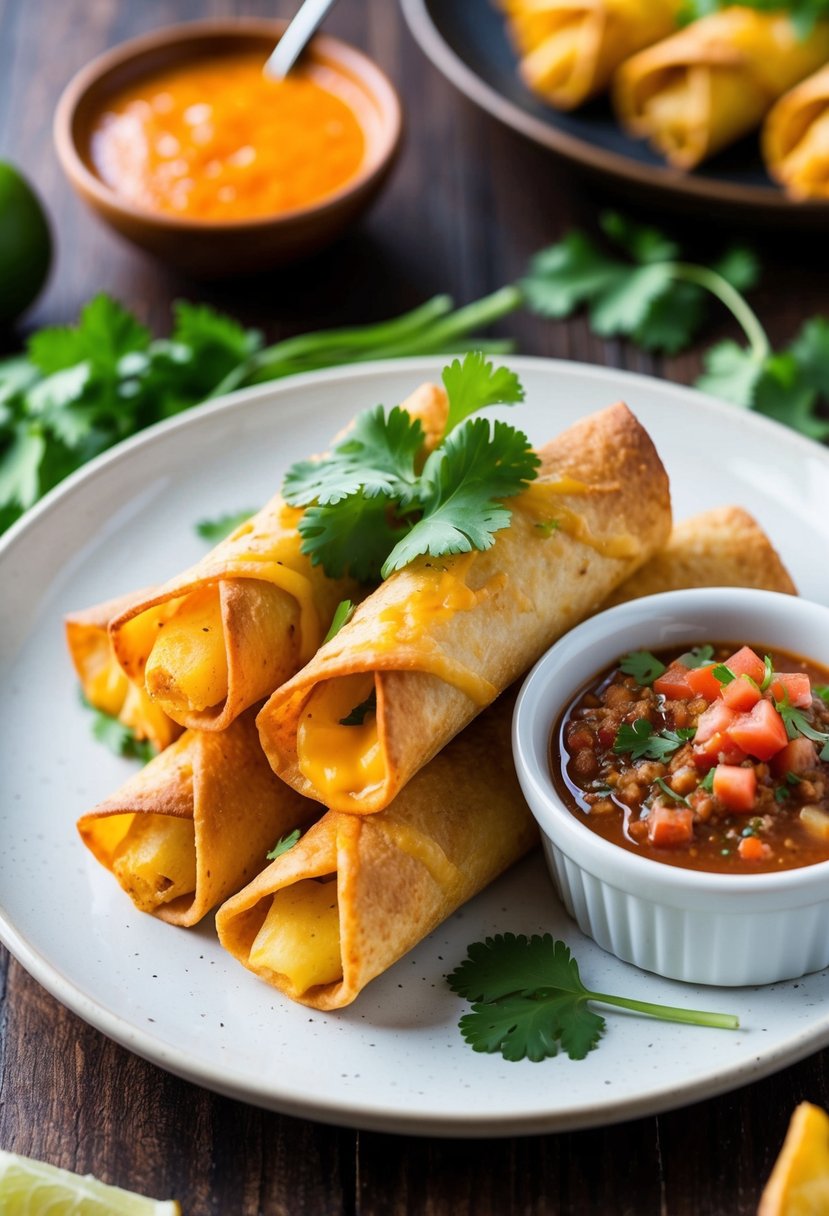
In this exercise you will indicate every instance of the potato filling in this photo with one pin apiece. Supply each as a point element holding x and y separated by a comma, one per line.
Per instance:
<point>155,862</point>
<point>300,937</point>
<point>187,666</point>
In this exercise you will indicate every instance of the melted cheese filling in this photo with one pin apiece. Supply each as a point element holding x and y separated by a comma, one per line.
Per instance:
<point>187,666</point>
<point>341,762</point>
<point>300,936</point>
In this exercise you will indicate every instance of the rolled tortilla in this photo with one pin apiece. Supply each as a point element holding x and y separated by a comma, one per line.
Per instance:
<point>796,138</point>
<point>195,824</point>
<point>704,87</point>
<point>723,547</point>
<point>569,49</point>
<point>102,680</point>
<point>224,634</point>
<point>357,892</point>
<point>438,641</point>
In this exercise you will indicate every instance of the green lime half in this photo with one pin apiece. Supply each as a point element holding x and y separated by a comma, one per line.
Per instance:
<point>25,244</point>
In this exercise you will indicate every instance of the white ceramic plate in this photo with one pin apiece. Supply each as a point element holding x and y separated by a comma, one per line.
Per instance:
<point>394,1060</point>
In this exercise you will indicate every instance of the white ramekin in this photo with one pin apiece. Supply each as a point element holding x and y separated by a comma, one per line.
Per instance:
<point>688,925</point>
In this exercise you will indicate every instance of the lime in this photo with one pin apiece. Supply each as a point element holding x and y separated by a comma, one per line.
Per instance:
<point>32,1188</point>
<point>25,244</point>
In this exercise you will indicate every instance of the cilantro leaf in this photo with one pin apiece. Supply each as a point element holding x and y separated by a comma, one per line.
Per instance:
<point>784,395</point>
<point>643,743</point>
<point>643,666</point>
<point>359,713</point>
<point>797,724</point>
<point>119,738</point>
<point>732,373</point>
<point>342,615</point>
<point>105,331</point>
<point>568,275</point>
<point>739,266</point>
<point>528,999</point>
<point>811,352</point>
<point>640,241</point>
<point>377,457</point>
<point>707,782</point>
<point>20,459</point>
<point>284,844</point>
<point>214,530</point>
<point>475,466</point>
<point>352,537</point>
<point>475,384</point>
<point>822,691</point>
<point>802,13</point>
<point>624,307</point>
<point>697,656</point>
<point>669,793</point>
<point>723,674</point>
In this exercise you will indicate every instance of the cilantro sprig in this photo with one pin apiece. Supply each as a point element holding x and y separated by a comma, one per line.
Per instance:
<point>217,529</point>
<point>118,738</point>
<point>370,511</point>
<point>641,742</point>
<point>528,1000</point>
<point>284,844</point>
<point>797,725</point>
<point>643,666</point>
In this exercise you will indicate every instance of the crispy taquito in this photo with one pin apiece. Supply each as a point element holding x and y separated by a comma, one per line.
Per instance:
<point>102,680</point>
<point>569,49</point>
<point>195,824</point>
<point>358,891</point>
<point>796,138</point>
<point>225,633</point>
<point>706,86</point>
<point>440,639</point>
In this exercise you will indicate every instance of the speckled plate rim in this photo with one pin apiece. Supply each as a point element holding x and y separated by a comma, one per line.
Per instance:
<point>648,177</point>
<point>152,1045</point>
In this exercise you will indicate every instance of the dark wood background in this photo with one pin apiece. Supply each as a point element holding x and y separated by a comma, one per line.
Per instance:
<point>469,202</point>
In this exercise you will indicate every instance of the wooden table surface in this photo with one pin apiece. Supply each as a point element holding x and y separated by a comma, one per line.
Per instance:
<point>469,202</point>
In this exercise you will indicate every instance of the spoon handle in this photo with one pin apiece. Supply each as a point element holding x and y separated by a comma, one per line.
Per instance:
<point>301,29</point>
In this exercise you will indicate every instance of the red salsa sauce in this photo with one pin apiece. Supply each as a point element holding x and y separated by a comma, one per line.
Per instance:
<point>713,758</point>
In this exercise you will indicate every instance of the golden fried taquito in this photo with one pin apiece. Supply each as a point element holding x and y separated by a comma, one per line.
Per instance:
<point>225,633</point>
<point>195,824</point>
<point>358,891</point>
<point>440,639</point>
<point>569,49</point>
<point>796,138</point>
<point>723,547</point>
<point>706,86</point>
<point>102,680</point>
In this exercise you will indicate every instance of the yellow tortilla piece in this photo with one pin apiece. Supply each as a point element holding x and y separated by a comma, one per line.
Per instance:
<point>569,49</point>
<point>224,634</point>
<point>712,82</point>
<point>443,637</point>
<point>796,138</point>
<point>723,547</point>
<point>391,877</point>
<point>799,1182</point>
<point>195,824</point>
<point>104,684</point>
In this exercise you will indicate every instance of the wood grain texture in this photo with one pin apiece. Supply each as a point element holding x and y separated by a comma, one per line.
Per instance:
<point>469,202</point>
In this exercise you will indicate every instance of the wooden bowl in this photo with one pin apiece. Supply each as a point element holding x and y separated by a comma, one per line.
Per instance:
<point>221,248</point>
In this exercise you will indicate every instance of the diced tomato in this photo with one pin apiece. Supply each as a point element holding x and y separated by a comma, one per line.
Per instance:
<point>746,663</point>
<point>715,719</point>
<point>741,694</point>
<point>704,683</point>
<point>794,684</point>
<point>673,683</point>
<point>735,787</point>
<point>670,827</point>
<point>761,733</point>
<point>719,749</point>
<point>751,848</point>
<point>797,756</point>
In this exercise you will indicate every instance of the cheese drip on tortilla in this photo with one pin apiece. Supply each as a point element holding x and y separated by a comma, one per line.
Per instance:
<point>300,936</point>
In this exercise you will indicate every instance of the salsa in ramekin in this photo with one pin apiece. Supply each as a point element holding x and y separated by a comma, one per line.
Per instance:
<point>712,757</point>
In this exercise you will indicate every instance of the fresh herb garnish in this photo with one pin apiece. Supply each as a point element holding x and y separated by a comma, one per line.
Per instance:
<point>698,656</point>
<point>120,739</point>
<point>342,615</point>
<point>666,789</point>
<point>360,712</point>
<point>797,725</point>
<point>723,674</point>
<point>822,691</point>
<point>368,510</point>
<point>528,1000</point>
<point>707,782</point>
<point>643,743</point>
<point>548,527</point>
<point>214,530</point>
<point>803,13</point>
<point>768,672</point>
<point>284,844</point>
<point>643,666</point>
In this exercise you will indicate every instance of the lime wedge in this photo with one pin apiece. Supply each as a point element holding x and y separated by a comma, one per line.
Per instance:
<point>25,244</point>
<point>32,1188</point>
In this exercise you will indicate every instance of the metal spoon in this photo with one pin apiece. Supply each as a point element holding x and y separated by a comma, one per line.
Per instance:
<point>301,29</point>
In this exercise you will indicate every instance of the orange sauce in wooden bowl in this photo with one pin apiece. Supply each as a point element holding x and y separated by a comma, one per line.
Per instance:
<point>217,140</point>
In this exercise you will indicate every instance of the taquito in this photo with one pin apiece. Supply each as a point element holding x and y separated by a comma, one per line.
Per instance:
<point>796,138</point>
<point>102,680</point>
<point>358,891</point>
<point>225,633</point>
<point>195,824</point>
<point>569,49</point>
<point>723,547</point>
<point>426,651</point>
<point>704,87</point>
